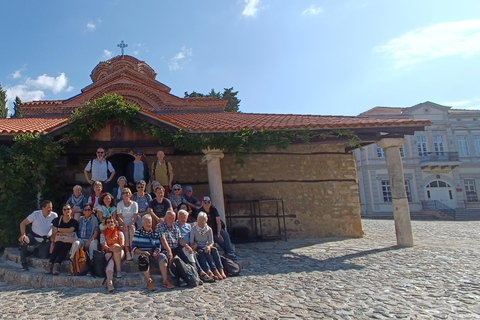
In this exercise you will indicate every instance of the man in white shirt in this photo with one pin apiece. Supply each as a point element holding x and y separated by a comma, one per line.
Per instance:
<point>99,167</point>
<point>41,221</point>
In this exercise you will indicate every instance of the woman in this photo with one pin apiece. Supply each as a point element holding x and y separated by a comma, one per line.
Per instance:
<point>142,199</point>
<point>97,193</point>
<point>201,238</point>
<point>112,241</point>
<point>63,233</point>
<point>154,186</point>
<point>127,213</point>
<point>176,197</point>
<point>106,208</point>
<point>117,191</point>
<point>77,201</point>
<point>158,207</point>
<point>87,234</point>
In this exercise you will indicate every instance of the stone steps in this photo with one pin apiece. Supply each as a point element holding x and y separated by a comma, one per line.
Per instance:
<point>11,273</point>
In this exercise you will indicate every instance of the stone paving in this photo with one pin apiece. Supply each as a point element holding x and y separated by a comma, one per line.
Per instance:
<point>301,279</point>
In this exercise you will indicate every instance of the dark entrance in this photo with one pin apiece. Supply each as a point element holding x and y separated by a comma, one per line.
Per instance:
<point>119,162</point>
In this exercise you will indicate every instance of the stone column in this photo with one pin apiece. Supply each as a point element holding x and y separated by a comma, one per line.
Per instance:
<point>401,209</point>
<point>212,158</point>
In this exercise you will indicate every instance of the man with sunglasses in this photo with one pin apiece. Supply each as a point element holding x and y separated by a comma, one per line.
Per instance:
<point>99,167</point>
<point>137,170</point>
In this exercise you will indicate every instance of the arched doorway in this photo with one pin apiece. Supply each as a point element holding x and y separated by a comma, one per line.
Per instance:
<point>441,191</point>
<point>119,162</point>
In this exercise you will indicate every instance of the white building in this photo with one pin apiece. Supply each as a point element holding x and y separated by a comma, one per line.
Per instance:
<point>441,164</point>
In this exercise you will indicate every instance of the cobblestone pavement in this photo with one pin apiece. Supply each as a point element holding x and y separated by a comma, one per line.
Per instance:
<point>313,278</point>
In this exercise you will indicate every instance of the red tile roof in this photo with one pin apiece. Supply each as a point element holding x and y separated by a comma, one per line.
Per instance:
<point>382,111</point>
<point>31,125</point>
<point>227,122</point>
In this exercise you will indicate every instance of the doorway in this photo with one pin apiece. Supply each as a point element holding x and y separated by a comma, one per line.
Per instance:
<point>119,162</point>
<point>441,191</point>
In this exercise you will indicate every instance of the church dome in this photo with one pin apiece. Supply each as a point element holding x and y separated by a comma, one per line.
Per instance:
<point>117,63</point>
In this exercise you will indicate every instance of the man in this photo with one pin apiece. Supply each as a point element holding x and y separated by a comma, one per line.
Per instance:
<point>41,221</point>
<point>162,172</point>
<point>99,167</point>
<point>147,241</point>
<point>171,238</point>
<point>193,203</point>
<point>220,235</point>
<point>137,170</point>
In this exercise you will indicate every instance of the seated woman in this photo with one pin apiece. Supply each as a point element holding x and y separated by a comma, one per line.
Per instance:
<point>143,199</point>
<point>117,191</point>
<point>77,201</point>
<point>106,208</point>
<point>97,193</point>
<point>176,197</point>
<point>87,234</point>
<point>147,241</point>
<point>201,238</point>
<point>112,241</point>
<point>220,235</point>
<point>64,228</point>
<point>127,212</point>
<point>158,207</point>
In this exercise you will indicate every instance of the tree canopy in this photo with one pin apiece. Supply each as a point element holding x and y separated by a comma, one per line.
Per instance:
<point>3,103</point>
<point>233,104</point>
<point>17,113</point>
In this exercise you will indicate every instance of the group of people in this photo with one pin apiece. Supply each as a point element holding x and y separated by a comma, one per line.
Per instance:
<point>128,225</point>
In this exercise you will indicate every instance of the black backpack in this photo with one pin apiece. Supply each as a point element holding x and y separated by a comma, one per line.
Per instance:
<point>99,263</point>
<point>189,274</point>
<point>230,267</point>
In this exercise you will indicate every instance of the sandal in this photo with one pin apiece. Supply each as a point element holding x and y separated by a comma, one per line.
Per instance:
<point>168,285</point>
<point>206,278</point>
<point>150,285</point>
<point>110,286</point>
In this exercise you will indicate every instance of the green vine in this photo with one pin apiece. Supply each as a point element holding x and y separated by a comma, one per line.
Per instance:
<point>93,117</point>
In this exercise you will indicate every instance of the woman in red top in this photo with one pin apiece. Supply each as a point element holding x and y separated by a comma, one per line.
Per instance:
<point>113,242</point>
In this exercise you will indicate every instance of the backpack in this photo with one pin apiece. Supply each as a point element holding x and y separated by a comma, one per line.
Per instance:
<point>187,272</point>
<point>230,267</point>
<point>99,263</point>
<point>155,167</point>
<point>79,264</point>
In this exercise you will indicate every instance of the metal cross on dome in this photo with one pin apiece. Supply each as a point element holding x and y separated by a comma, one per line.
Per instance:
<point>122,46</point>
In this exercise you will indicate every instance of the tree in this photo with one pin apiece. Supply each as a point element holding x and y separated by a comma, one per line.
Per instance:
<point>228,94</point>
<point>17,112</point>
<point>3,103</point>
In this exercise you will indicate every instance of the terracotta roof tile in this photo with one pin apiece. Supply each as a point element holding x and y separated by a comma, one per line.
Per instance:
<point>225,122</point>
<point>30,125</point>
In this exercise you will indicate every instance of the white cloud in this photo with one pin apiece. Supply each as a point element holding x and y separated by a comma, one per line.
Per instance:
<point>91,26</point>
<point>180,59</point>
<point>136,52</point>
<point>55,84</point>
<point>107,54</point>
<point>24,92</point>
<point>17,74</point>
<point>460,38</point>
<point>312,10</point>
<point>251,8</point>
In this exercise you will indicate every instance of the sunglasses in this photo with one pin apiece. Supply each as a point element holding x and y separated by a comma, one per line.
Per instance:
<point>110,221</point>
<point>125,192</point>
<point>140,186</point>
<point>87,209</point>
<point>177,189</point>
<point>100,152</point>
<point>207,202</point>
<point>67,209</point>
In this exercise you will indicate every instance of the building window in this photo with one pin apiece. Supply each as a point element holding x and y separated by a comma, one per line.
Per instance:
<point>402,153</point>
<point>462,146</point>
<point>476,144</point>
<point>421,146</point>
<point>470,190</point>
<point>387,191</point>
<point>438,145</point>
<point>380,152</point>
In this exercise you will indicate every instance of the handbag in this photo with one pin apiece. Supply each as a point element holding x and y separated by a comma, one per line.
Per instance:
<point>64,237</point>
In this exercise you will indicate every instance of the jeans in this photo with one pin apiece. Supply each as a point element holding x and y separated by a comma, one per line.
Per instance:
<point>25,250</point>
<point>209,261</point>
<point>60,251</point>
<point>225,244</point>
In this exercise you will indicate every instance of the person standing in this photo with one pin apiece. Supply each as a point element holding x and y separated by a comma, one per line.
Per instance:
<point>137,170</point>
<point>99,168</point>
<point>162,172</point>
<point>41,221</point>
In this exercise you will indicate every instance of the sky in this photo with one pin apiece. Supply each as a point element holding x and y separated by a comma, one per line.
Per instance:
<point>321,57</point>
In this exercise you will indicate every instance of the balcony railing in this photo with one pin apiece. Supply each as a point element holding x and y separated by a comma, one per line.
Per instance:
<point>439,156</point>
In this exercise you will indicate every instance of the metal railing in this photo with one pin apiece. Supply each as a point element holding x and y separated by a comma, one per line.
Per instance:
<point>439,206</point>
<point>439,156</point>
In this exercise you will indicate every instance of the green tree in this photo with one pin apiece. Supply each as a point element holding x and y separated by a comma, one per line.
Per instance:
<point>228,94</point>
<point>3,103</point>
<point>17,112</point>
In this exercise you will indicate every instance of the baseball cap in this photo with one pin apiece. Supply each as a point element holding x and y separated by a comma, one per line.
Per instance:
<point>206,198</point>
<point>188,188</point>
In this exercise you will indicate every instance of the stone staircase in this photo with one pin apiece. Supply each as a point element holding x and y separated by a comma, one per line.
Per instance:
<point>389,216</point>
<point>11,273</point>
<point>467,214</point>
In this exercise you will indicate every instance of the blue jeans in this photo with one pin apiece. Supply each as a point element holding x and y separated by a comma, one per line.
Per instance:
<point>209,261</point>
<point>225,244</point>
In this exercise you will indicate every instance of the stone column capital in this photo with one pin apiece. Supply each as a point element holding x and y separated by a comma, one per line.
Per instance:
<point>211,154</point>
<point>386,143</point>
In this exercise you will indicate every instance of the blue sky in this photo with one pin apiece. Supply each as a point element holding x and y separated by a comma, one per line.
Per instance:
<point>330,57</point>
